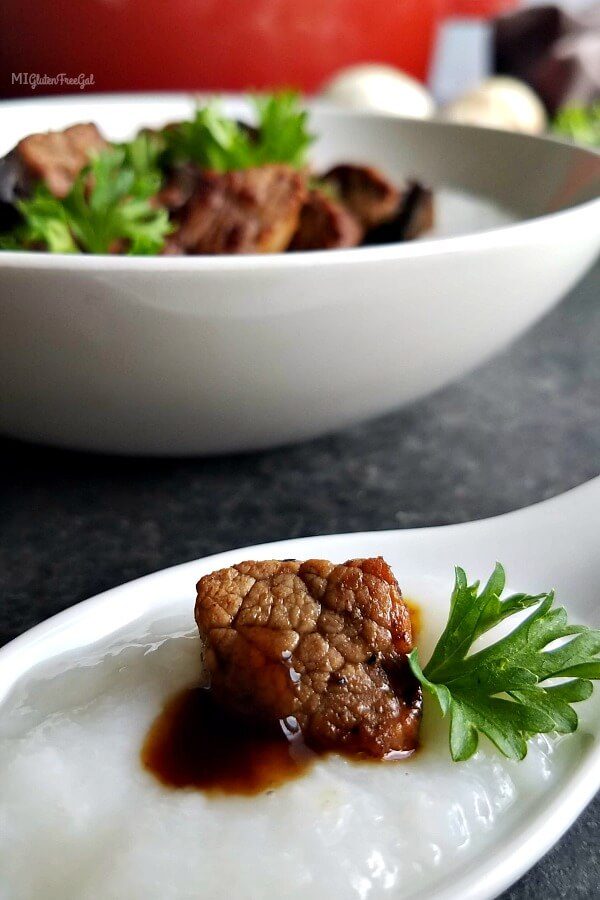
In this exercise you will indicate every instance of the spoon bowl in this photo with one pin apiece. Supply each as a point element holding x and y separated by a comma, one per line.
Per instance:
<point>552,544</point>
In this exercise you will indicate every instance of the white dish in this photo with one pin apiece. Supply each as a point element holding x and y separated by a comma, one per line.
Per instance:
<point>554,543</point>
<point>203,355</point>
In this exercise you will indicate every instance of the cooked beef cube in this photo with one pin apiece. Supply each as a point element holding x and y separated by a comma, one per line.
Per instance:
<point>14,185</point>
<point>14,180</point>
<point>172,248</point>
<point>325,224</point>
<point>318,646</point>
<point>58,156</point>
<point>249,211</point>
<point>370,196</point>
<point>179,187</point>
<point>415,216</point>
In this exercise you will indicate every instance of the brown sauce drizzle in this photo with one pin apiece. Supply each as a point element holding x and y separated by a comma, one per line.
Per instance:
<point>197,743</point>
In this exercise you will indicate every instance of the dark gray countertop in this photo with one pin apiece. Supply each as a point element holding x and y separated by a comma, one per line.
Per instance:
<point>521,429</point>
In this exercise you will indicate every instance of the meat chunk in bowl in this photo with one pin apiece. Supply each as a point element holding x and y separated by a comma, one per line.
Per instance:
<point>325,224</point>
<point>318,646</point>
<point>59,156</point>
<point>366,193</point>
<point>249,211</point>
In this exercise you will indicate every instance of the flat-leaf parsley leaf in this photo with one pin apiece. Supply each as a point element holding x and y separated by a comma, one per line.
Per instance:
<point>580,124</point>
<point>501,691</point>
<point>107,207</point>
<point>214,141</point>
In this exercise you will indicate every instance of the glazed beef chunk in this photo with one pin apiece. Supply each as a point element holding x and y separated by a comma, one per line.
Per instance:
<point>247,211</point>
<point>59,156</point>
<point>366,193</point>
<point>386,213</point>
<point>325,224</point>
<point>321,647</point>
<point>179,187</point>
<point>414,217</point>
<point>14,185</point>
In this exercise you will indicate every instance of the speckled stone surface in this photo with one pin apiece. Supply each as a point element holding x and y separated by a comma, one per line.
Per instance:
<point>523,428</point>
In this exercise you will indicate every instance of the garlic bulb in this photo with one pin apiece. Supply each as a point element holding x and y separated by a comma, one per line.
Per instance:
<point>500,102</point>
<point>379,88</point>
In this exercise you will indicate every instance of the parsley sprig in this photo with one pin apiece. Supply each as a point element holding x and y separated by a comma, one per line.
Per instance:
<point>282,130</point>
<point>501,691</point>
<point>214,141</point>
<point>108,206</point>
<point>580,124</point>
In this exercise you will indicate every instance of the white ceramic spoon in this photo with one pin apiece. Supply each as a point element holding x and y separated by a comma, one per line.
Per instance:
<point>552,544</point>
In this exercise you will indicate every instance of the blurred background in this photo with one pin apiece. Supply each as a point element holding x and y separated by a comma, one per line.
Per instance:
<point>450,46</point>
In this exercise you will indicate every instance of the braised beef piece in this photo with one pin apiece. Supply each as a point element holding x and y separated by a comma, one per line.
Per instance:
<point>57,157</point>
<point>414,217</point>
<point>172,247</point>
<point>14,185</point>
<point>325,224</point>
<point>14,179</point>
<point>318,646</point>
<point>179,187</point>
<point>249,211</point>
<point>368,194</point>
<point>416,213</point>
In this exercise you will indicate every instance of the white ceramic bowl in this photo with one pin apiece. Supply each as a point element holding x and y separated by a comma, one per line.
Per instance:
<point>202,355</point>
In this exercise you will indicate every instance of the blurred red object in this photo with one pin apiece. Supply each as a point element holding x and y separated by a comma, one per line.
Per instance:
<point>215,44</point>
<point>480,8</point>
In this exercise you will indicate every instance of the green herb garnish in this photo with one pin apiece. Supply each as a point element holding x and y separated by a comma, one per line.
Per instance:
<point>500,691</point>
<point>108,208</point>
<point>144,156</point>
<point>108,205</point>
<point>214,141</point>
<point>283,135</point>
<point>580,124</point>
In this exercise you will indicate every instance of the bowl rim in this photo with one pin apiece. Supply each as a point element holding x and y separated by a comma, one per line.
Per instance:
<point>497,236</point>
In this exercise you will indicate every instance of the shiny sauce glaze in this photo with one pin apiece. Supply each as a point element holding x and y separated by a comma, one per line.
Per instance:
<point>195,742</point>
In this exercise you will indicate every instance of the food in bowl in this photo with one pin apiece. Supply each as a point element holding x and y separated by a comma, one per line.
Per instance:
<point>100,825</point>
<point>211,185</point>
<point>197,355</point>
